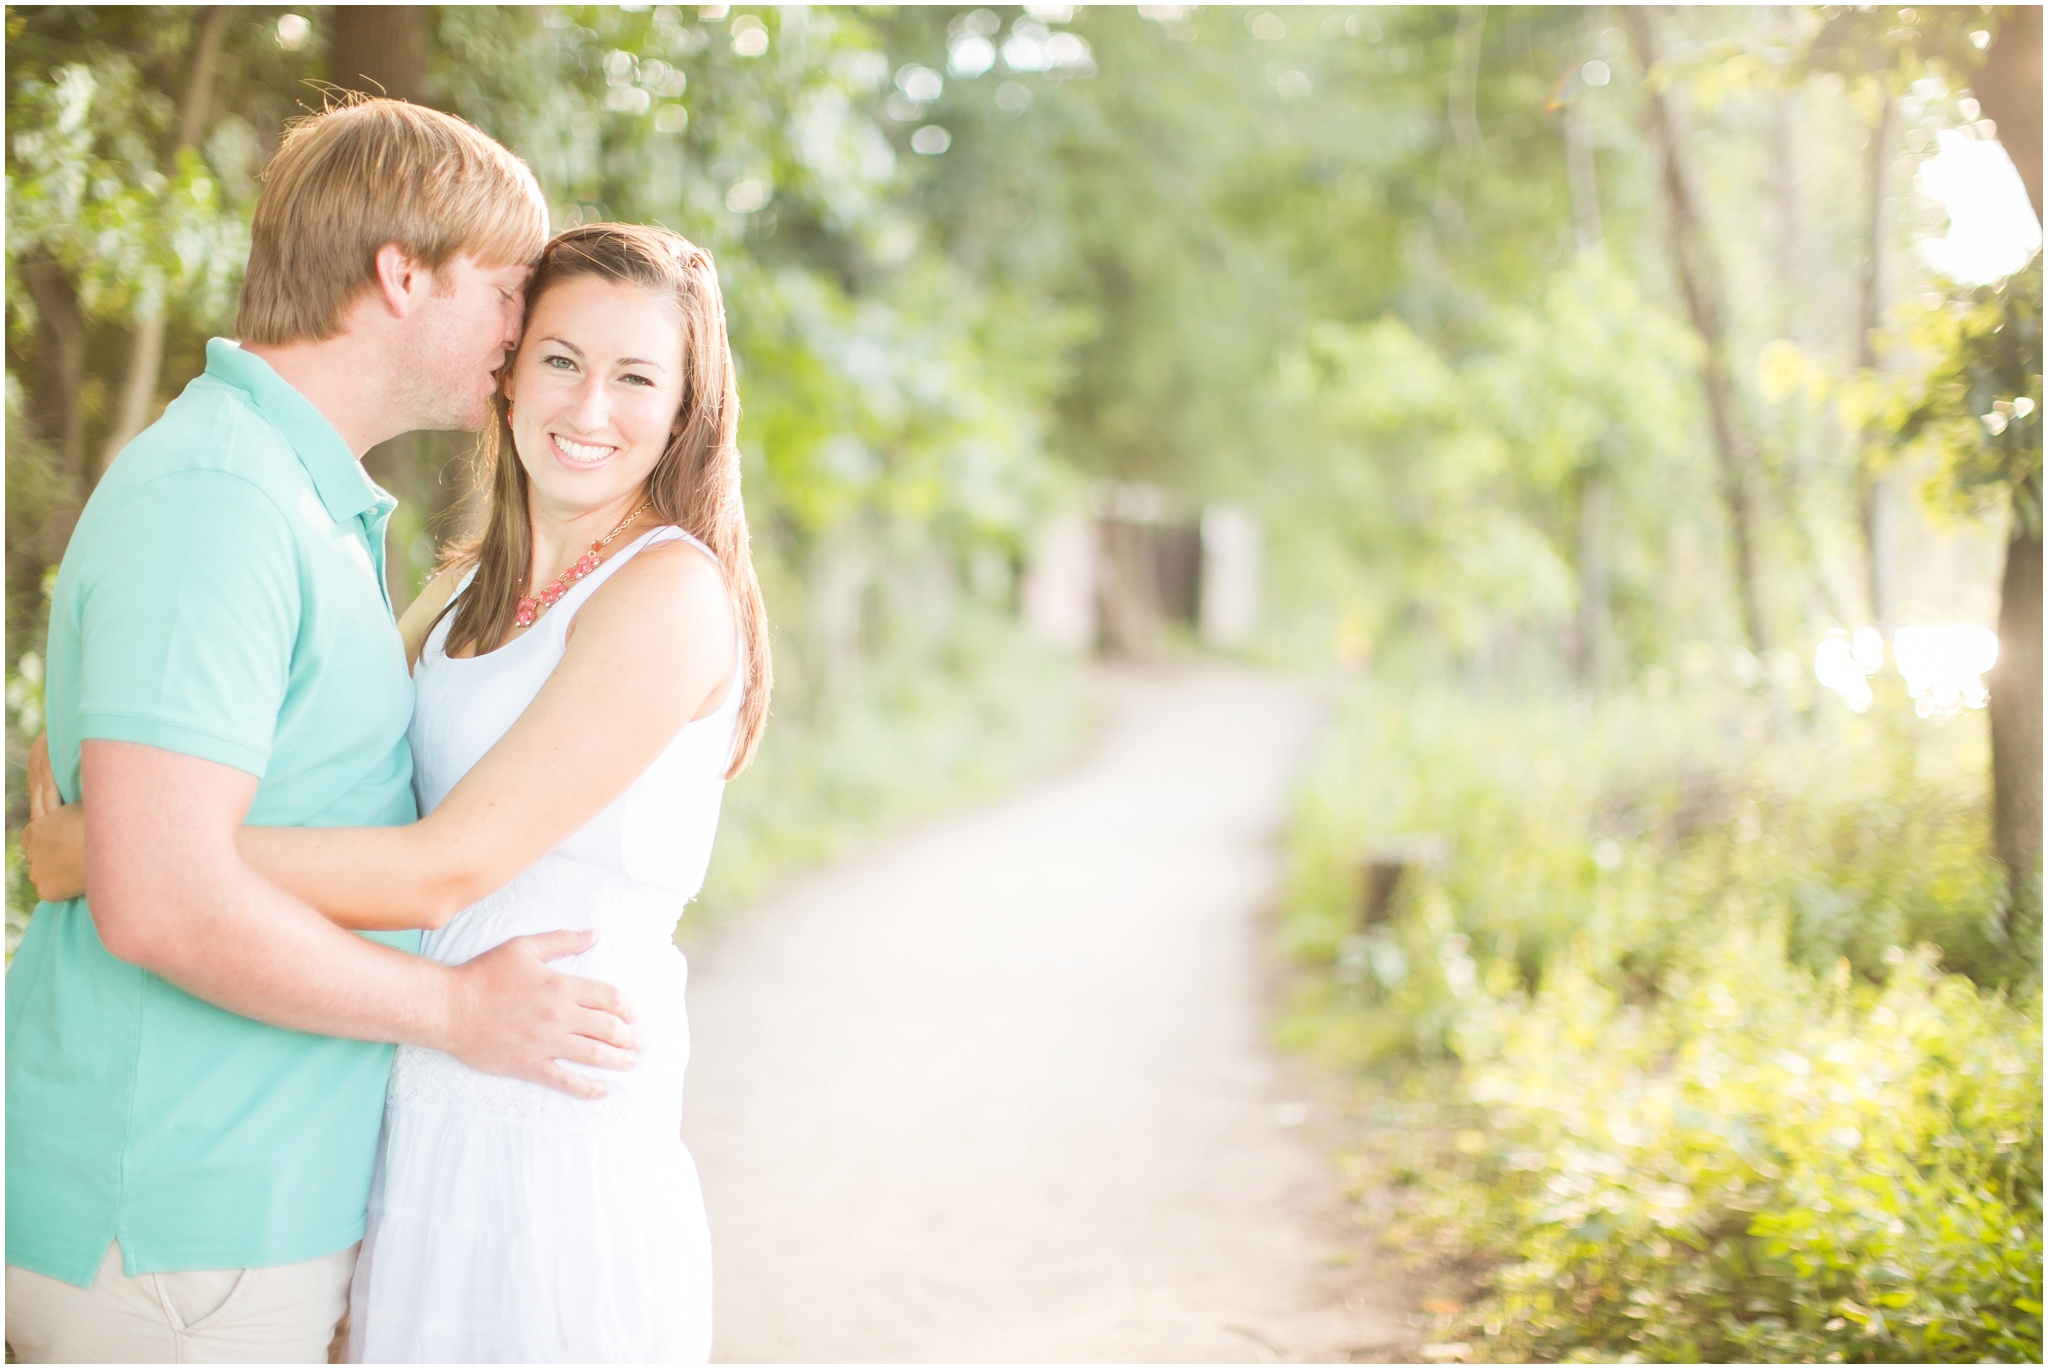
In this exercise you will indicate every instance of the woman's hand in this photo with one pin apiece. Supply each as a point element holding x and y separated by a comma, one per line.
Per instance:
<point>42,781</point>
<point>55,846</point>
<point>54,840</point>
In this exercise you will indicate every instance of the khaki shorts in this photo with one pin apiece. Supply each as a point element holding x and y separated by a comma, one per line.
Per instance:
<point>282,1314</point>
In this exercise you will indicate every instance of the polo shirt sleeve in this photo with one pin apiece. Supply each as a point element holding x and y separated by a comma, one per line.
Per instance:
<point>186,634</point>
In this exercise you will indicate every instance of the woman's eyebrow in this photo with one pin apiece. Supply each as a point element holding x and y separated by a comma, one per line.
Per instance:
<point>567,345</point>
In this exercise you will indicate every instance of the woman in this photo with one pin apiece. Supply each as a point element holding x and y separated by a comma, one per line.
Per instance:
<point>589,671</point>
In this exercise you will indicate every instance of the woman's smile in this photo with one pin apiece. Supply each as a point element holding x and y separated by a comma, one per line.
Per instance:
<point>581,456</point>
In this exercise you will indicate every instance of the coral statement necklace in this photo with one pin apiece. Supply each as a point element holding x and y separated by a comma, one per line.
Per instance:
<point>530,606</point>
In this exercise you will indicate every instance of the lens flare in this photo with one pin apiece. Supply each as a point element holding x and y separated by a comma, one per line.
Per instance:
<point>1944,667</point>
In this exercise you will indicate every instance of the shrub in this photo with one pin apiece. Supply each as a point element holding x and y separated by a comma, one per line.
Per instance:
<point>1694,977</point>
<point>1763,1165</point>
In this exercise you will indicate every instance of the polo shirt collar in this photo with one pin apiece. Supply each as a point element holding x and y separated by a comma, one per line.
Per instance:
<point>343,485</point>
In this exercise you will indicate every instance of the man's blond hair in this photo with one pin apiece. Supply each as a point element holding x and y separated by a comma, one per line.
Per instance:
<point>368,172</point>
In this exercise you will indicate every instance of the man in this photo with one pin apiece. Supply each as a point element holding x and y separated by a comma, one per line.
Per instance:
<point>196,1062</point>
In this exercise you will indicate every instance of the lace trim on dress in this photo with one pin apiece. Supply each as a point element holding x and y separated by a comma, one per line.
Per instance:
<point>427,1079</point>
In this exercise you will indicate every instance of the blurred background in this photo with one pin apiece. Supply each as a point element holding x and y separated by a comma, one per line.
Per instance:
<point>1633,414</point>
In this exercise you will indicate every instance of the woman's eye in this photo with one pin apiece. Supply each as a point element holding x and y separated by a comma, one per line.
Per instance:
<point>559,363</point>
<point>637,380</point>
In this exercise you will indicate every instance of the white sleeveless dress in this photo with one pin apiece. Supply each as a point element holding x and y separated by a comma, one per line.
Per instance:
<point>509,1222</point>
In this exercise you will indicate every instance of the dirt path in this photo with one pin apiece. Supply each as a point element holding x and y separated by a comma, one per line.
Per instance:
<point>998,1089</point>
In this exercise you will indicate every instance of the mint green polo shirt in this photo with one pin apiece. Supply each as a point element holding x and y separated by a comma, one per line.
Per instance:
<point>222,597</point>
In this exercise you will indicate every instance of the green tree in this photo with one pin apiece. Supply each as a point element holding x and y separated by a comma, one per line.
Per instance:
<point>133,143</point>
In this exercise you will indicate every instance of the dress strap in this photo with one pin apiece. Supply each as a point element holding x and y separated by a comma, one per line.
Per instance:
<point>564,611</point>
<point>667,532</point>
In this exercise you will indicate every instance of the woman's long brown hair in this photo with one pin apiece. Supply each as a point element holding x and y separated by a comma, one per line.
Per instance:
<point>695,485</point>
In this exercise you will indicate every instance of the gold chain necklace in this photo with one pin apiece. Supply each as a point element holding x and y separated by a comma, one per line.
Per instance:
<point>530,606</point>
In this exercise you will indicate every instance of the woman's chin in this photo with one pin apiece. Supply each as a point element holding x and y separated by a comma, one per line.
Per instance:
<point>585,477</point>
<point>566,496</point>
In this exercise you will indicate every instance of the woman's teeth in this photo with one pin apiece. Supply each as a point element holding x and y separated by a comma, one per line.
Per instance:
<point>578,451</point>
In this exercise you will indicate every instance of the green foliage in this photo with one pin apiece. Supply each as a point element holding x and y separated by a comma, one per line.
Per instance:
<point>83,187</point>
<point>93,180</point>
<point>1969,408</point>
<point>108,224</point>
<point>1708,1104</point>
<point>1979,410</point>
<point>1454,483</point>
<point>24,722</point>
<point>1119,265</point>
<point>1225,189</point>
<point>1897,45</point>
<point>1762,1164</point>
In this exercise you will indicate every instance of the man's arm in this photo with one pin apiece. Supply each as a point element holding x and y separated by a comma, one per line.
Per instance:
<point>168,892</point>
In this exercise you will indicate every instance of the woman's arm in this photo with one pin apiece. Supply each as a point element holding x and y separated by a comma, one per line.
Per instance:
<point>651,650</point>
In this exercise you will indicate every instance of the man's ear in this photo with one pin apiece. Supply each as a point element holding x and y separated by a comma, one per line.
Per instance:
<point>401,280</point>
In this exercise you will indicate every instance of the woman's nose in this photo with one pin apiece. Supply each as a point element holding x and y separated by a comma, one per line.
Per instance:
<point>588,411</point>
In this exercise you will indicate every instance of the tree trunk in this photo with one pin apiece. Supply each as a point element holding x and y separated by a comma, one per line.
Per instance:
<point>1593,656</point>
<point>1699,279</point>
<point>1789,249</point>
<point>2015,708</point>
<point>138,381</point>
<point>145,366</point>
<point>2009,89</point>
<point>379,49</point>
<point>1579,176</point>
<point>1462,114</point>
<point>1872,492</point>
<point>1590,645</point>
<point>61,407</point>
<point>1789,252</point>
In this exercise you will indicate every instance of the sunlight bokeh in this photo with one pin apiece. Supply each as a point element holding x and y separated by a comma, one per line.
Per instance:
<point>1944,667</point>
<point>1992,231</point>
